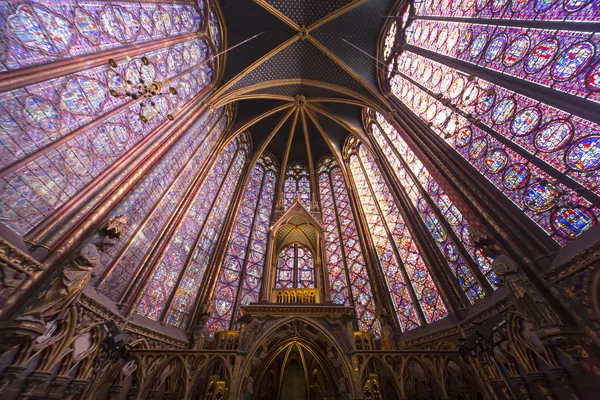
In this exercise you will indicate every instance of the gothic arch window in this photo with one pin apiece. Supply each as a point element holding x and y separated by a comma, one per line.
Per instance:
<point>297,183</point>
<point>512,99</point>
<point>349,280</point>
<point>149,205</point>
<point>242,269</point>
<point>60,136</point>
<point>171,293</point>
<point>414,294</point>
<point>448,227</point>
<point>295,268</point>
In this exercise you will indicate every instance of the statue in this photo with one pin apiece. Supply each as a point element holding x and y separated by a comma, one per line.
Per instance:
<point>258,360</point>
<point>66,289</point>
<point>112,231</point>
<point>251,330</point>
<point>249,391</point>
<point>521,293</point>
<point>340,331</point>
<point>342,391</point>
<point>336,362</point>
<point>387,337</point>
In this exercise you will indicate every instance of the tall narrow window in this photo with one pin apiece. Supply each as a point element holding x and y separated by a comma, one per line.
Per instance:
<point>297,184</point>
<point>241,272</point>
<point>60,136</point>
<point>423,190</point>
<point>295,268</point>
<point>414,293</point>
<point>151,203</point>
<point>172,291</point>
<point>345,260</point>
<point>536,142</point>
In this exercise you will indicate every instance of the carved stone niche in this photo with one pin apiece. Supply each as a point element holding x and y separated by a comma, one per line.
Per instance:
<point>297,230</point>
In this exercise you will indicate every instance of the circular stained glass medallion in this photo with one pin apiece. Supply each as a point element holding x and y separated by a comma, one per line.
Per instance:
<point>571,222</point>
<point>540,197</point>
<point>464,41</point>
<point>433,35</point>
<point>427,73</point>
<point>436,78</point>
<point>442,37</point>
<point>478,148</point>
<point>518,5</point>
<point>223,300</point>
<point>516,176</point>
<point>84,96</point>
<point>470,94</point>
<point>572,61</point>
<point>465,134</point>
<point>584,155</point>
<point>486,101</point>
<point>504,110</point>
<point>526,121</point>
<point>544,5</point>
<point>593,78</point>
<point>541,55</point>
<point>456,88</point>
<point>431,112</point>
<point>516,51</point>
<point>495,161</point>
<point>120,23</point>
<point>496,47</point>
<point>87,26</point>
<point>481,4</point>
<point>452,39</point>
<point>446,82</point>
<point>576,5</point>
<point>479,44</point>
<point>553,136</point>
<point>498,5</point>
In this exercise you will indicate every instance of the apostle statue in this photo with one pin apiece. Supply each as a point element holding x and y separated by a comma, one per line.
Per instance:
<point>66,289</point>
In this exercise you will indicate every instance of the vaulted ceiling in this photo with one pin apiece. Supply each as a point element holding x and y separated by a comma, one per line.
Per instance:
<point>302,53</point>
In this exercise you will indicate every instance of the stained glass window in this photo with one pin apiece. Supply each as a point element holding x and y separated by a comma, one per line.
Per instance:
<point>433,204</point>
<point>414,293</point>
<point>47,30</point>
<point>172,290</point>
<point>542,154</point>
<point>153,201</point>
<point>345,260</point>
<point>297,184</point>
<point>241,272</point>
<point>60,135</point>
<point>295,268</point>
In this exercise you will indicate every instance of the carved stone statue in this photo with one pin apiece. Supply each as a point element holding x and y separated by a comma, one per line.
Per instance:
<point>114,228</point>
<point>249,391</point>
<point>521,293</point>
<point>251,330</point>
<point>340,331</point>
<point>258,360</point>
<point>387,337</point>
<point>66,289</point>
<point>342,391</point>
<point>336,362</point>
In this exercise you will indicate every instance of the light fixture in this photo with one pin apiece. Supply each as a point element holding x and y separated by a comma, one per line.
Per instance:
<point>146,92</point>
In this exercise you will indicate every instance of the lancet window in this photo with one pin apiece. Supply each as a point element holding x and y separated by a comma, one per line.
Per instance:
<point>295,268</point>
<point>349,280</point>
<point>511,99</point>
<point>241,273</point>
<point>152,202</point>
<point>297,183</point>
<point>414,294</point>
<point>172,291</point>
<point>433,206</point>
<point>60,135</point>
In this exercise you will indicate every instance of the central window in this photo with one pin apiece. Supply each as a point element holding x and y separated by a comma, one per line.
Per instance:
<point>295,268</point>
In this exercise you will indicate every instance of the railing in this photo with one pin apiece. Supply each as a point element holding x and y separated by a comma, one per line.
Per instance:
<point>227,340</point>
<point>364,341</point>
<point>296,296</point>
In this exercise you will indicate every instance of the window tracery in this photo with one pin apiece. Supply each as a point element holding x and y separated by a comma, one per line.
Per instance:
<point>349,280</point>
<point>295,268</point>
<point>413,291</point>
<point>297,184</point>
<point>242,269</point>
<point>172,290</point>
<point>543,158</point>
